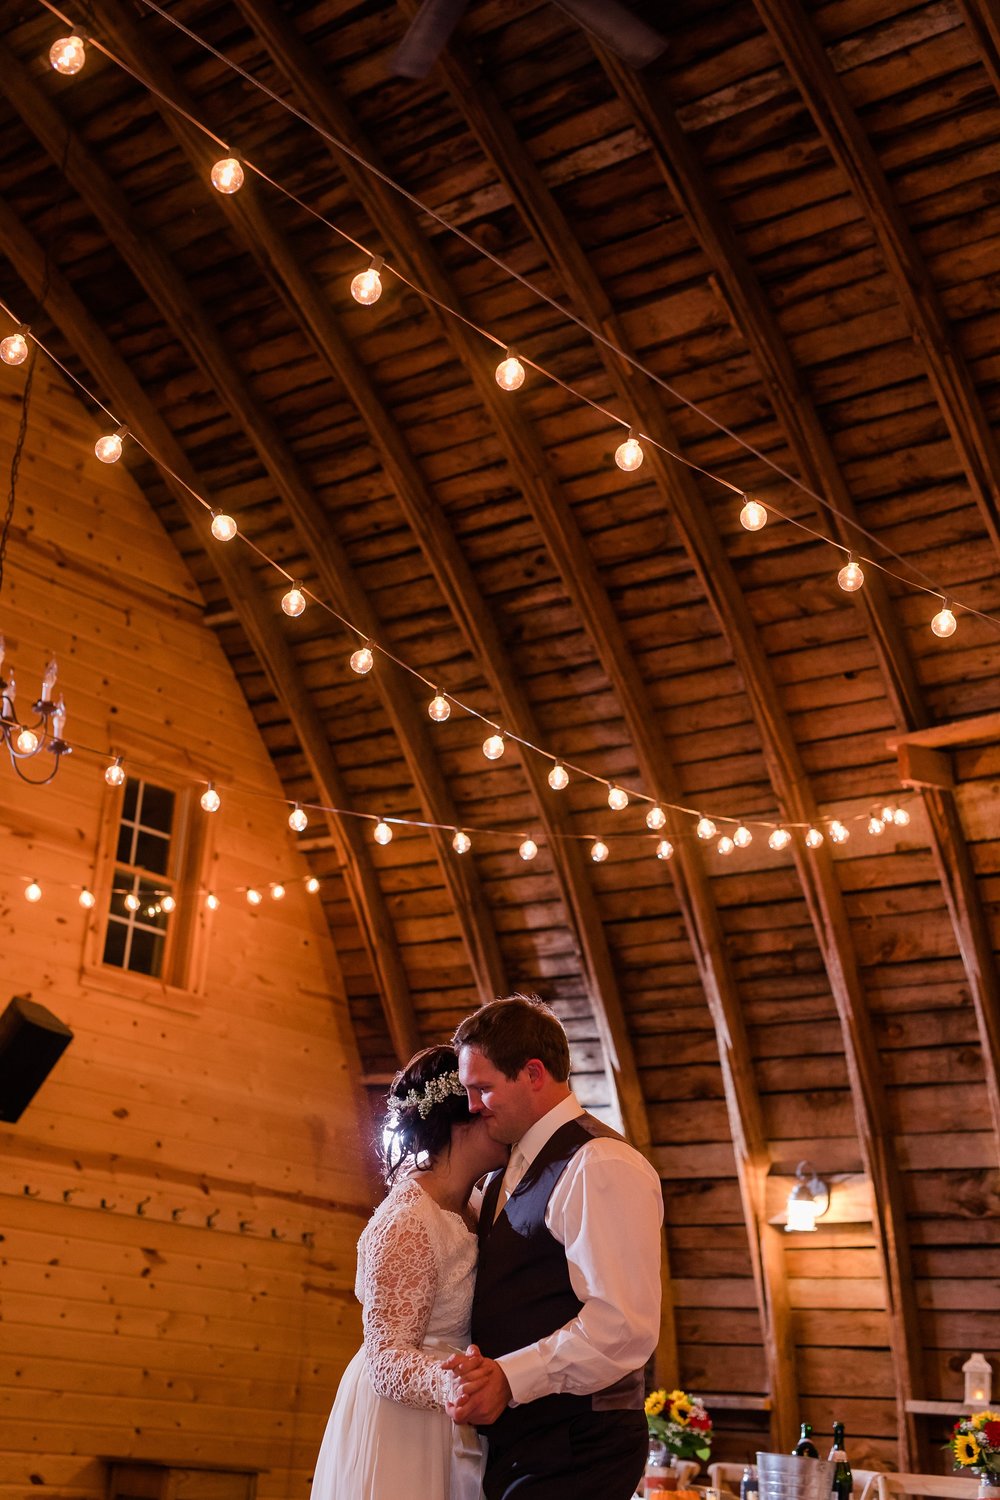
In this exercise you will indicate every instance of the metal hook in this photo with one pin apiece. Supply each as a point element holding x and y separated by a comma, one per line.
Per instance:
<point>175,1213</point>
<point>30,1192</point>
<point>210,1220</point>
<point>308,1239</point>
<point>245,1226</point>
<point>140,1207</point>
<point>276,1234</point>
<point>68,1194</point>
<point>108,1207</point>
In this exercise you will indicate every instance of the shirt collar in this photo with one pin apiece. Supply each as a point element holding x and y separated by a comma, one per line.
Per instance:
<point>535,1137</point>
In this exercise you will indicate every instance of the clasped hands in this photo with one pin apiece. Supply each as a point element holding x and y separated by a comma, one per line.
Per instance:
<point>480,1390</point>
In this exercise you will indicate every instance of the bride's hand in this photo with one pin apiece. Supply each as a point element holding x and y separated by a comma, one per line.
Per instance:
<point>461,1365</point>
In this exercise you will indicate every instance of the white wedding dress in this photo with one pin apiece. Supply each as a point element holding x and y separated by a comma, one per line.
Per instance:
<point>389,1437</point>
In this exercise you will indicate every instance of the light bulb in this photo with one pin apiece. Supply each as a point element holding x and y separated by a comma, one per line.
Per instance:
<point>108,449</point>
<point>87,899</point>
<point>132,901</point>
<point>168,904</point>
<point>617,799</point>
<point>383,833</point>
<point>706,829</point>
<point>461,843</point>
<point>753,516</point>
<point>528,849</point>
<point>312,885</point>
<point>725,845</point>
<point>277,891</point>
<point>254,896</point>
<point>664,849</point>
<point>510,372</point>
<point>875,825</point>
<point>944,622</point>
<point>33,892</point>
<point>294,602</point>
<point>779,839</point>
<point>886,812</point>
<point>224,528</point>
<point>210,799</point>
<point>212,901</point>
<point>598,851</point>
<point>851,576</point>
<point>629,455</point>
<point>493,746</point>
<point>362,660</point>
<point>439,708</point>
<point>901,818</point>
<point>26,742</point>
<point>297,820</point>
<point>14,349</point>
<point>227,175</point>
<point>68,55</point>
<point>558,778</point>
<point>115,773</point>
<point>813,838</point>
<point>743,838</point>
<point>839,834</point>
<point>366,287</point>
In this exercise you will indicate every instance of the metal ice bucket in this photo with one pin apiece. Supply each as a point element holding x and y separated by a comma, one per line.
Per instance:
<point>782,1476</point>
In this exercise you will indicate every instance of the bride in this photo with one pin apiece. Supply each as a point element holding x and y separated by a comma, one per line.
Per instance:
<point>389,1435</point>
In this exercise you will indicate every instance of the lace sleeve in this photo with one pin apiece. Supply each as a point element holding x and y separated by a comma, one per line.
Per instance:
<point>400,1282</point>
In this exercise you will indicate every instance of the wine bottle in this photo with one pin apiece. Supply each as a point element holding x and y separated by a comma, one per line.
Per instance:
<point>805,1447</point>
<point>843,1479</point>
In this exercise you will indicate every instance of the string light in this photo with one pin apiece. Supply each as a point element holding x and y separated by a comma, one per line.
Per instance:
<point>210,799</point>
<point>312,885</point>
<point>362,660</point>
<point>115,773</point>
<point>901,817</point>
<point>629,455</point>
<point>461,843</point>
<point>298,822</point>
<point>493,746</point>
<point>743,838</point>
<point>725,845</point>
<point>558,777</point>
<point>33,892</point>
<point>224,528</point>
<point>839,832</point>
<point>68,54</point>
<point>294,602</point>
<point>212,901</point>
<point>26,742</point>
<point>439,708</point>
<point>254,896</point>
<point>875,825</point>
<point>617,799</point>
<point>383,833</point>
<point>228,175</point>
<point>944,623</point>
<point>851,575</point>
<point>109,449</point>
<point>87,899</point>
<point>656,818</point>
<point>779,839</point>
<point>528,849</point>
<point>168,904</point>
<point>813,838</point>
<point>14,348</point>
<point>277,891</point>
<point>664,849</point>
<point>706,829</point>
<point>753,516</point>
<point>510,372</point>
<point>366,287</point>
<point>598,851</point>
<point>131,902</point>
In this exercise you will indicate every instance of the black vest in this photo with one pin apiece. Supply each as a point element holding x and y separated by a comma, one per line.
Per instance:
<point>523,1290</point>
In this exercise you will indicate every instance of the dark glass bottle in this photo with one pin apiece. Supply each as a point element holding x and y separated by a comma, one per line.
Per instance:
<point>749,1486</point>
<point>843,1479</point>
<point>805,1447</point>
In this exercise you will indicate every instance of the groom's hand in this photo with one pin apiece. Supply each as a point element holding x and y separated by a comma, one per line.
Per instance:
<point>482,1394</point>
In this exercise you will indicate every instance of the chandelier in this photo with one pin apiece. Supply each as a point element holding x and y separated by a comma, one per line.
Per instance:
<point>26,741</point>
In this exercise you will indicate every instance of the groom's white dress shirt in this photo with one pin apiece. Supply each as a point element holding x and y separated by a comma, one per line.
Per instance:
<point>606,1209</point>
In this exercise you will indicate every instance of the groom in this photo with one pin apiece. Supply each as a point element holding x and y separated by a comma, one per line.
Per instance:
<point>567,1303</point>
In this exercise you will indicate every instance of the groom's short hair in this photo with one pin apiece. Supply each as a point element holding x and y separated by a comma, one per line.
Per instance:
<point>509,1032</point>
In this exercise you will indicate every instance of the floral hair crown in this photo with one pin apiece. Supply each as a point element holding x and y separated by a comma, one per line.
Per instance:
<point>433,1092</point>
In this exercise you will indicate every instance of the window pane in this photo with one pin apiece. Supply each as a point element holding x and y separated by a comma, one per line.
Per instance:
<point>157,808</point>
<point>131,797</point>
<point>124,850</point>
<point>152,852</point>
<point>146,956</point>
<point>114,943</point>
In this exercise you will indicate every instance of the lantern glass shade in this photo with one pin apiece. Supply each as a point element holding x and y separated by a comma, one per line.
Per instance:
<point>978,1373</point>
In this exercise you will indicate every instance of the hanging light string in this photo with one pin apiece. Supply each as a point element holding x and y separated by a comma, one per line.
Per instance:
<point>234,178</point>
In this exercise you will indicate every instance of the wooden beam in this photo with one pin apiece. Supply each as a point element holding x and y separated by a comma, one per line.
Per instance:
<point>191,326</point>
<point>920,767</point>
<point>982,729</point>
<point>983,21</point>
<point>115,381</point>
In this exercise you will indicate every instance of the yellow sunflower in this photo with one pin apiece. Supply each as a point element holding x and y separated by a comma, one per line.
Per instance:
<point>680,1408</point>
<point>967,1449</point>
<point>655,1402</point>
<point>981,1418</point>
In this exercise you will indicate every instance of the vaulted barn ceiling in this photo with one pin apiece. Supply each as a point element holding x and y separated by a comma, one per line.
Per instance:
<point>793,218</point>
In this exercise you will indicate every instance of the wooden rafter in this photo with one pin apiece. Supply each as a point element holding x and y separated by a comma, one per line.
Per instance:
<point>118,385</point>
<point>817,464</point>
<point>983,21</point>
<point>193,329</point>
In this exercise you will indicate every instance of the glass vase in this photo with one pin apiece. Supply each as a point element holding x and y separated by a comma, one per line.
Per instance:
<point>661,1476</point>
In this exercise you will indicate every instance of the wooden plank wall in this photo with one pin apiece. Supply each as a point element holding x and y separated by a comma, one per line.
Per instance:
<point>179,1205</point>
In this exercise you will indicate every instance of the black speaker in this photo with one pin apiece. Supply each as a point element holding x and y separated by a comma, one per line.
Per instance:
<point>32,1040</point>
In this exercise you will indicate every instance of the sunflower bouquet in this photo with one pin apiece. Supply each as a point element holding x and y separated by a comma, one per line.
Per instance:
<point>975,1444</point>
<point>680,1422</point>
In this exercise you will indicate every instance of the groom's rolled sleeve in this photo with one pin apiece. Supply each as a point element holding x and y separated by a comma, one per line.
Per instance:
<point>607,1209</point>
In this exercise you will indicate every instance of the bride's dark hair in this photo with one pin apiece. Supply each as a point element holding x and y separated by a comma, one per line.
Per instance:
<point>425,1102</point>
